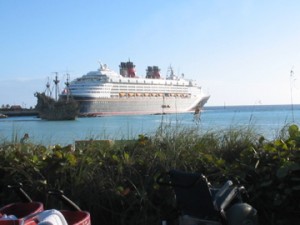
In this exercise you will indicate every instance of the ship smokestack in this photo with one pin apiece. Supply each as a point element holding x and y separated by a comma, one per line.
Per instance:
<point>130,69</point>
<point>153,72</point>
<point>149,71</point>
<point>127,69</point>
<point>123,69</point>
<point>156,74</point>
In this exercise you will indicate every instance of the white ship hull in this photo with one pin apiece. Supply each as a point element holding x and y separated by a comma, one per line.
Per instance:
<point>105,92</point>
<point>135,106</point>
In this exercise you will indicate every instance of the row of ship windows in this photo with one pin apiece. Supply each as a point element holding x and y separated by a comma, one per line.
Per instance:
<point>126,89</point>
<point>150,88</point>
<point>145,92</point>
<point>177,84</point>
<point>137,81</point>
<point>148,82</point>
<point>138,87</point>
<point>117,93</point>
<point>182,95</point>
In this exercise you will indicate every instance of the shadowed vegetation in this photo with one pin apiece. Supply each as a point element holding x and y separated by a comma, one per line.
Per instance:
<point>116,180</point>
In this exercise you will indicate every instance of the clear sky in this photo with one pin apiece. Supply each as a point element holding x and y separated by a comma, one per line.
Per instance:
<point>240,51</point>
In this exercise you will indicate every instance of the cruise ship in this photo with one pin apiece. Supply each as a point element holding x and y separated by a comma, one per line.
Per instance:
<point>106,92</point>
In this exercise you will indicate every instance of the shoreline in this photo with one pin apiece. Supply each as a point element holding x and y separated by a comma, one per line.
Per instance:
<point>12,113</point>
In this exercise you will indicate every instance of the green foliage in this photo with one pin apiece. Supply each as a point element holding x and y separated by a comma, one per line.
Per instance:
<point>273,177</point>
<point>116,180</point>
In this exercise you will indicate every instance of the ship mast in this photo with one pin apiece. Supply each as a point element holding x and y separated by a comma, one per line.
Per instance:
<point>48,90</point>
<point>56,81</point>
<point>67,83</point>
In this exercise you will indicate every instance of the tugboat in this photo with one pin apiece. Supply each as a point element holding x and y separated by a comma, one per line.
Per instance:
<point>56,108</point>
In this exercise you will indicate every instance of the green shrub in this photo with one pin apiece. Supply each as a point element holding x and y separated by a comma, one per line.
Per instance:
<point>116,180</point>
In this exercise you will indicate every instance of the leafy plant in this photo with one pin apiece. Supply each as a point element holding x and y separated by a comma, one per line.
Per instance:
<point>116,180</point>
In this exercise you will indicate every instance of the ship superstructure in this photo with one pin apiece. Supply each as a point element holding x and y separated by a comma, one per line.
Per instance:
<point>105,92</point>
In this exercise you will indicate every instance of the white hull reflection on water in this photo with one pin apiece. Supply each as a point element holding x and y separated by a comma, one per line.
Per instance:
<point>266,120</point>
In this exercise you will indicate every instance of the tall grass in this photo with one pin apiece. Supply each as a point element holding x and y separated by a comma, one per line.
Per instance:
<point>116,180</point>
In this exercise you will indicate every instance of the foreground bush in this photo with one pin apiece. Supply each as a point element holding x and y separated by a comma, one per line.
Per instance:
<point>116,180</point>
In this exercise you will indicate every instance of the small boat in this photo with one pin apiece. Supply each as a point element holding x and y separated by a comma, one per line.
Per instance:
<point>2,116</point>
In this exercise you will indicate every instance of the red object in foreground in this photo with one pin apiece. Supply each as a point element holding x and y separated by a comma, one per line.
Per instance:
<point>20,210</point>
<point>77,217</point>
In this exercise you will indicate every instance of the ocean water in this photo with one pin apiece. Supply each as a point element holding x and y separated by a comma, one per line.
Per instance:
<point>265,120</point>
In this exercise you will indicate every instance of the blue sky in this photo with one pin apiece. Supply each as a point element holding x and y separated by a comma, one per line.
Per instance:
<point>240,51</point>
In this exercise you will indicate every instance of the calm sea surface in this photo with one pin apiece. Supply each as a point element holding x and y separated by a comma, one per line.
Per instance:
<point>266,120</point>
